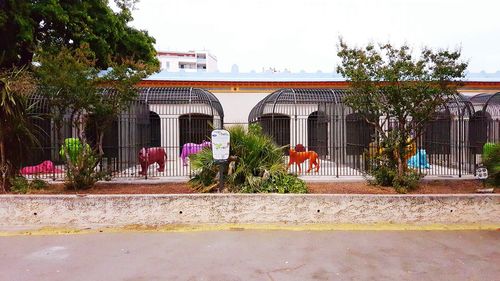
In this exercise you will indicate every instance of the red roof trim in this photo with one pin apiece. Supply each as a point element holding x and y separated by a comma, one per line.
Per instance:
<point>281,84</point>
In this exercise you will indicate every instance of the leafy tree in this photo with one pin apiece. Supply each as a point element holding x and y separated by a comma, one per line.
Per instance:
<point>71,43</point>
<point>16,131</point>
<point>81,95</point>
<point>120,81</point>
<point>27,26</point>
<point>391,84</point>
<point>68,80</point>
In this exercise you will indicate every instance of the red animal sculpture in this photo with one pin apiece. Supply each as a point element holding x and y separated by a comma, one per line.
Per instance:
<point>299,157</point>
<point>300,148</point>
<point>148,156</point>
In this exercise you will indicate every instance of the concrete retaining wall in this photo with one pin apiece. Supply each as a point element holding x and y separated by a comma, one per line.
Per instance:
<point>120,210</point>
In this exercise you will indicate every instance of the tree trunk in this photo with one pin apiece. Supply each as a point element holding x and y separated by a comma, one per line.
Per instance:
<point>4,169</point>
<point>401,165</point>
<point>59,126</point>
<point>401,148</point>
<point>100,138</point>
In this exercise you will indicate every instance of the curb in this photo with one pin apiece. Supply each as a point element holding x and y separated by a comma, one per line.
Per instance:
<point>108,211</point>
<point>36,231</point>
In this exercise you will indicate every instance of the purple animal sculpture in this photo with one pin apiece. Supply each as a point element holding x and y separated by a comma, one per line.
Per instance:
<point>148,156</point>
<point>192,148</point>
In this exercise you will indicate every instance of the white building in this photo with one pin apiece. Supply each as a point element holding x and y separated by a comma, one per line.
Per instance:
<point>192,61</point>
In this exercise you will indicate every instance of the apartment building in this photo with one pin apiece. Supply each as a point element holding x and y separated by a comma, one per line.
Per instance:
<point>191,61</point>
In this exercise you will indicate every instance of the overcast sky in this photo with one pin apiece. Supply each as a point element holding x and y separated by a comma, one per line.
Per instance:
<point>302,35</point>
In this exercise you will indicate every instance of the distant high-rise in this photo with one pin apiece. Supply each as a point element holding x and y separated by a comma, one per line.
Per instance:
<point>191,61</point>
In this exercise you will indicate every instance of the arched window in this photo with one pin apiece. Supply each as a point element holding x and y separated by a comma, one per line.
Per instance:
<point>278,127</point>
<point>42,132</point>
<point>359,134</point>
<point>194,128</point>
<point>478,131</point>
<point>437,134</point>
<point>155,130</point>
<point>317,133</point>
<point>110,140</point>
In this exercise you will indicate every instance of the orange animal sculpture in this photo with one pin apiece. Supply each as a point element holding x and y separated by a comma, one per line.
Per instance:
<point>299,157</point>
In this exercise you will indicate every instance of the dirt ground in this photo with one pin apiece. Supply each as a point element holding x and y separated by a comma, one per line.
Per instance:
<point>426,187</point>
<point>107,188</point>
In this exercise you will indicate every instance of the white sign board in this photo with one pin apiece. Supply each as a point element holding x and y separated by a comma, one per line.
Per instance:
<point>220,144</point>
<point>482,173</point>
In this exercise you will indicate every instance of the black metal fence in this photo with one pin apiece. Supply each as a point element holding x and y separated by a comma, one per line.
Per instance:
<point>317,119</point>
<point>179,120</point>
<point>166,119</point>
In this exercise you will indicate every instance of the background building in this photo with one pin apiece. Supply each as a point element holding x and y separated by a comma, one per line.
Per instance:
<point>191,61</point>
<point>176,111</point>
<point>239,92</point>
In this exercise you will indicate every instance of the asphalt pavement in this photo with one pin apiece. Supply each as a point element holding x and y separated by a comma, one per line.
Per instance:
<point>254,255</point>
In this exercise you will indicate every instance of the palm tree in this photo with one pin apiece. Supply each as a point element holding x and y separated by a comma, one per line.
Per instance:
<point>256,165</point>
<point>15,128</point>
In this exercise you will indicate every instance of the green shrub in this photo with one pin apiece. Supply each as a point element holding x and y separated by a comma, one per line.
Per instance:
<point>205,171</point>
<point>81,164</point>
<point>384,170</point>
<point>19,185</point>
<point>256,164</point>
<point>382,175</point>
<point>38,184</point>
<point>491,159</point>
<point>282,183</point>
<point>408,182</point>
<point>82,174</point>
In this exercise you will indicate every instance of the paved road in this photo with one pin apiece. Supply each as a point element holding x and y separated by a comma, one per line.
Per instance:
<point>254,255</point>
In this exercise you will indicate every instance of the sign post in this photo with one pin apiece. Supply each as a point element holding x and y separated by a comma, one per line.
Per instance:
<point>220,152</point>
<point>482,174</point>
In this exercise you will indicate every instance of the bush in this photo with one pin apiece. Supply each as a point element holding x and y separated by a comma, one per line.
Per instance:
<point>205,171</point>
<point>38,184</point>
<point>407,182</point>
<point>256,164</point>
<point>21,185</point>
<point>81,164</point>
<point>384,170</point>
<point>281,183</point>
<point>491,159</point>
<point>82,174</point>
<point>382,175</point>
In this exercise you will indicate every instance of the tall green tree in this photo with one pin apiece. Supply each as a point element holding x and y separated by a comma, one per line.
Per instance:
<point>397,85</point>
<point>81,95</point>
<point>27,26</point>
<point>119,82</point>
<point>68,80</point>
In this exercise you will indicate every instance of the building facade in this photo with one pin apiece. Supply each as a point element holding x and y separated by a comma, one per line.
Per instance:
<point>240,92</point>
<point>176,111</point>
<point>191,61</point>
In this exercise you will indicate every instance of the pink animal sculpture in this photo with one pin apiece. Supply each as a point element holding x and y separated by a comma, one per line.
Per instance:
<point>148,156</point>
<point>192,148</point>
<point>45,167</point>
